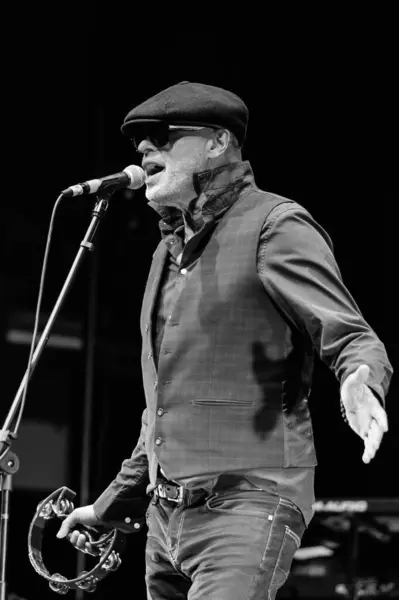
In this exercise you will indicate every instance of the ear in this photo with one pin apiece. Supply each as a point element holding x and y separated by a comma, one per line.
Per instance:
<point>218,143</point>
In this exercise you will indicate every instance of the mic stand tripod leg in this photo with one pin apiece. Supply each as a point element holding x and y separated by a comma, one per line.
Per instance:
<point>9,465</point>
<point>5,487</point>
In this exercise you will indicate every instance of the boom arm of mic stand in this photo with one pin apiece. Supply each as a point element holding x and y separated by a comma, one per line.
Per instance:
<point>9,462</point>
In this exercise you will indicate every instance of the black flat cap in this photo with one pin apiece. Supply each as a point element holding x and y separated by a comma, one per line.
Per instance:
<point>189,103</point>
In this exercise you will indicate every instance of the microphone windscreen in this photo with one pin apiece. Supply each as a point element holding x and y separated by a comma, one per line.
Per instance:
<point>137,176</point>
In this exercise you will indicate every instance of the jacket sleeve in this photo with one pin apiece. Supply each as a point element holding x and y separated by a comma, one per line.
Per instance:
<point>125,501</point>
<point>297,267</point>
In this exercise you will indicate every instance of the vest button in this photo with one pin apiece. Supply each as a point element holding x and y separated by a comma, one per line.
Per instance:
<point>155,385</point>
<point>158,441</point>
<point>160,412</point>
<point>183,271</point>
<point>127,519</point>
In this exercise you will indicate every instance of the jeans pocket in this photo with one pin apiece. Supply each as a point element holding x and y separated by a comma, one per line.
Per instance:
<point>297,539</point>
<point>244,503</point>
<point>290,544</point>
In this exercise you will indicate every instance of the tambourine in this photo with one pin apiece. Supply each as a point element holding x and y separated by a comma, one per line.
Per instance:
<point>107,546</point>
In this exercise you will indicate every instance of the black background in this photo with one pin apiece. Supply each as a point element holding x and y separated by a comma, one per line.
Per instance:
<point>322,130</point>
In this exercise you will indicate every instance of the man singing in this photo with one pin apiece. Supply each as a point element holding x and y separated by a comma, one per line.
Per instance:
<point>243,290</point>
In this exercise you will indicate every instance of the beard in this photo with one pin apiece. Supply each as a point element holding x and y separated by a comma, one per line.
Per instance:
<point>171,188</point>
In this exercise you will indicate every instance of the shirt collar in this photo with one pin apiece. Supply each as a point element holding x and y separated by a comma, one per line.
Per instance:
<point>217,189</point>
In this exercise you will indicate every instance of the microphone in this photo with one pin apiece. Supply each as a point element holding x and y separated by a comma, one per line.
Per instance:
<point>132,177</point>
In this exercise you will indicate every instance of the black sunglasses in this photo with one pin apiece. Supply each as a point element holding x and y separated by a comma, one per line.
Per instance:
<point>159,133</point>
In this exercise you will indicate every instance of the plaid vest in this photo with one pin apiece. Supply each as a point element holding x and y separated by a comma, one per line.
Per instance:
<point>228,394</point>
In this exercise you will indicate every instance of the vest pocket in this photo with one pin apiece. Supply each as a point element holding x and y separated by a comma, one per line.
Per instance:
<point>221,402</point>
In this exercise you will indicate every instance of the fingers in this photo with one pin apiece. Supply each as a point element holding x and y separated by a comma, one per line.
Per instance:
<point>361,374</point>
<point>358,378</point>
<point>68,523</point>
<point>84,515</point>
<point>379,414</point>
<point>80,541</point>
<point>372,442</point>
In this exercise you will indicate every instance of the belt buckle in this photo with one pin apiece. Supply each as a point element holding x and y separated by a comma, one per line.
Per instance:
<point>179,496</point>
<point>179,493</point>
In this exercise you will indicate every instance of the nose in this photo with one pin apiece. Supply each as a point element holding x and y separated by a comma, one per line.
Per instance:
<point>145,146</point>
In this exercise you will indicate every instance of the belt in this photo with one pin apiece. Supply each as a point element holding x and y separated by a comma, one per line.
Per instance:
<point>178,494</point>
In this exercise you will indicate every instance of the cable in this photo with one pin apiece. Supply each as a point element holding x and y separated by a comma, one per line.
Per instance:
<point>37,314</point>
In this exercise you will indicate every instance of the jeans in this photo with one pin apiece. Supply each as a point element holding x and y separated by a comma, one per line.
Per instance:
<point>233,544</point>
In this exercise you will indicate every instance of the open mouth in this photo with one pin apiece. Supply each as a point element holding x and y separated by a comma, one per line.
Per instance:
<point>153,169</point>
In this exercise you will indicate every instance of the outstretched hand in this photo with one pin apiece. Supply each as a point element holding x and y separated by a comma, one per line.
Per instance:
<point>364,412</point>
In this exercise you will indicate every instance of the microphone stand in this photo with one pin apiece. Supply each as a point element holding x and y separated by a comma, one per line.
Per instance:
<point>9,462</point>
